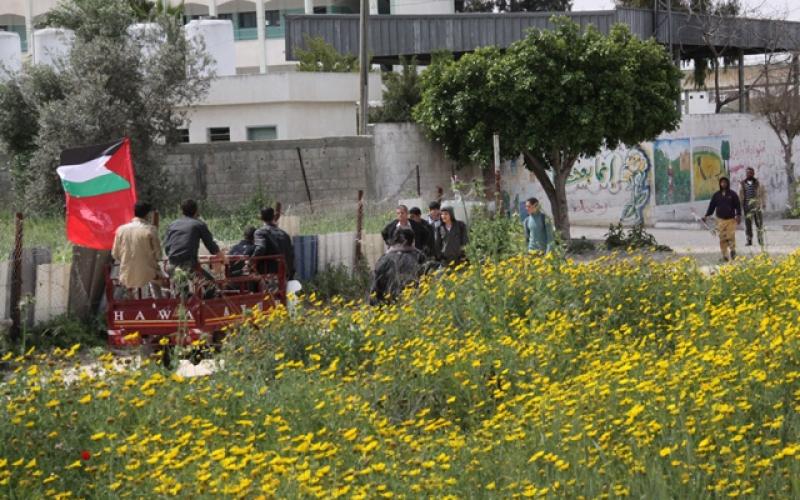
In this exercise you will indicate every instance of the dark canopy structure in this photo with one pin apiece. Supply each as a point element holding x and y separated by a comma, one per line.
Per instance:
<point>394,36</point>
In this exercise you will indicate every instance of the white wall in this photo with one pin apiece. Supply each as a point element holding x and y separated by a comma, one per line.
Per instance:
<point>608,188</point>
<point>292,120</point>
<point>422,7</point>
<point>247,54</point>
<point>300,105</point>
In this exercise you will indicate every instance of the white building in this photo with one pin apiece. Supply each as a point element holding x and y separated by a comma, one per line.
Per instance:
<point>286,105</point>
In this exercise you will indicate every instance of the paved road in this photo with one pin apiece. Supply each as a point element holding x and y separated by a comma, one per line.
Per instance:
<point>704,246</point>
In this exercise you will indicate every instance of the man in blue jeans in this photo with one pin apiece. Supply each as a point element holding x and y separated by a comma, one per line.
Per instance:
<point>538,228</point>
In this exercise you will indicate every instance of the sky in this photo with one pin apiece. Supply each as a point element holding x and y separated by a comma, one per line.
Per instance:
<point>790,9</point>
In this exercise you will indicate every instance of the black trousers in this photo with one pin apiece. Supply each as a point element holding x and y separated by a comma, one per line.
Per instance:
<point>751,216</point>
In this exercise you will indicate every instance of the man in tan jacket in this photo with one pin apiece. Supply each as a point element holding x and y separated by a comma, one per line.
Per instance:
<point>137,249</point>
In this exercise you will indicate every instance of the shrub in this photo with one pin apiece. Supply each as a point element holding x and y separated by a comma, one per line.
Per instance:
<point>635,237</point>
<point>339,281</point>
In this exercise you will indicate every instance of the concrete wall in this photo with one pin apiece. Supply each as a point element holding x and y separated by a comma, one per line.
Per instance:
<point>232,173</point>
<point>399,148</point>
<point>670,179</point>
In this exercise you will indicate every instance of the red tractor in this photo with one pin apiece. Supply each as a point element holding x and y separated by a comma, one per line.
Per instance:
<point>193,312</point>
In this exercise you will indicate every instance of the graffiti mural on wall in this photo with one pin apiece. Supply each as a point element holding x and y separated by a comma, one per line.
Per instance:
<point>673,171</point>
<point>622,172</point>
<point>710,158</point>
<point>636,176</point>
<point>601,173</point>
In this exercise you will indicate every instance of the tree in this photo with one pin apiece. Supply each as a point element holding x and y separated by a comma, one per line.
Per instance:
<point>513,5</point>
<point>320,56</point>
<point>780,106</point>
<point>552,96</point>
<point>108,87</point>
<point>401,94</point>
<point>713,19</point>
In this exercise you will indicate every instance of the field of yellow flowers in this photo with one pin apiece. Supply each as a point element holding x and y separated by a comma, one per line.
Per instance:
<point>527,378</point>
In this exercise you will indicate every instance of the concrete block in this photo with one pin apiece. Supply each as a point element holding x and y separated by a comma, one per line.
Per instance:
<point>52,291</point>
<point>290,224</point>
<point>335,249</point>
<point>373,248</point>
<point>5,289</point>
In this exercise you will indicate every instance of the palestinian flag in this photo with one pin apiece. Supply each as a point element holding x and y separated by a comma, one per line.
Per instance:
<point>100,188</point>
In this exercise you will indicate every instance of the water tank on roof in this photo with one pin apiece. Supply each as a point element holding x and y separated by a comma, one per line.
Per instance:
<point>10,54</point>
<point>148,36</point>
<point>218,37</point>
<point>51,45</point>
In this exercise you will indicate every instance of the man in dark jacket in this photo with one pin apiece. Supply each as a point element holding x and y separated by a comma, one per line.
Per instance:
<point>245,248</point>
<point>182,241</point>
<point>725,203</point>
<point>272,240</point>
<point>754,201</point>
<point>415,215</point>
<point>404,222</point>
<point>395,270</point>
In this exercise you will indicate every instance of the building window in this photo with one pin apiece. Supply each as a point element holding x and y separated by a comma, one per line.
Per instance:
<point>229,17</point>
<point>247,20</point>
<point>219,134</point>
<point>262,133</point>
<point>273,17</point>
<point>320,10</point>
<point>183,135</point>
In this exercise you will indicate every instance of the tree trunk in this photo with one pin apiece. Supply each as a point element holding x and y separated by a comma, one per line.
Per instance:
<point>718,101</point>
<point>791,182</point>
<point>559,205</point>
<point>556,189</point>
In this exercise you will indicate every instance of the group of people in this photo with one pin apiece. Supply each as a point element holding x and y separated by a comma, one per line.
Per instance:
<point>137,248</point>
<point>729,208</point>
<point>415,244</point>
<point>438,236</point>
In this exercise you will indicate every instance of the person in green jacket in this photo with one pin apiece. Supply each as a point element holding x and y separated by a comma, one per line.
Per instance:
<point>538,228</point>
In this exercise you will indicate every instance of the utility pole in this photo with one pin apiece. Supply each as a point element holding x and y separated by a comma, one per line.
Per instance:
<point>29,29</point>
<point>364,67</point>
<point>261,30</point>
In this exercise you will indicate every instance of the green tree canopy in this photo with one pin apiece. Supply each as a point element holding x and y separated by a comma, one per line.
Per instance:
<point>402,93</point>
<point>552,96</point>
<point>323,57</point>
<point>113,84</point>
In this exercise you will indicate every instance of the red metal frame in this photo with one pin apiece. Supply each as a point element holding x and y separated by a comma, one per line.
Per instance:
<point>157,318</point>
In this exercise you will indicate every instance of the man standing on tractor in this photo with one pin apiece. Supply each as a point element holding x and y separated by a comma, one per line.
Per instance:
<point>183,238</point>
<point>138,252</point>
<point>272,240</point>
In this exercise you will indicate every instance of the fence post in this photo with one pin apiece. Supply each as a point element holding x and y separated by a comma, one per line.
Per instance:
<point>439,193</point>
<point>156,218</point>
<point>16,278</point>
<point>359,229</point>
<point>498,195</point>
<point>278,208</point>
<point>419,188</point>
